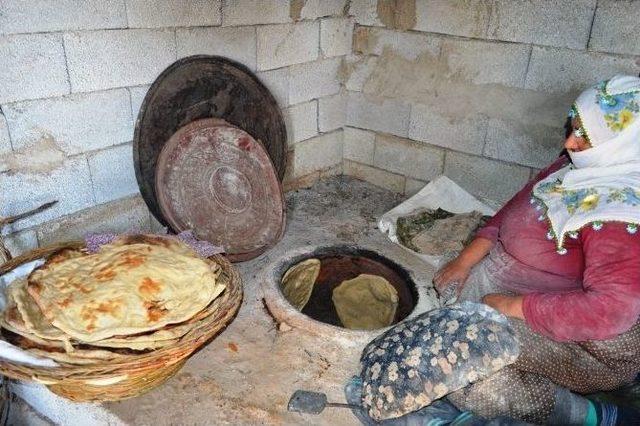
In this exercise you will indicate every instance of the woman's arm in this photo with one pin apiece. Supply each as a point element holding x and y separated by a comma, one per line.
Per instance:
<point>609,303</point>
<point>458,269</point>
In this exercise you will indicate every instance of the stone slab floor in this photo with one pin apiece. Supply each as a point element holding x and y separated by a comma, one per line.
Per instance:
<point>247,374</point>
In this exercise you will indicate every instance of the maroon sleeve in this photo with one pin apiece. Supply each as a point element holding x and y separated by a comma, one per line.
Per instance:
<point>609,302</point>
<point>491,229</point>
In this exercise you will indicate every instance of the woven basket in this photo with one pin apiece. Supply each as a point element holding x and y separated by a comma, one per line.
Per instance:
<point>117,380</point>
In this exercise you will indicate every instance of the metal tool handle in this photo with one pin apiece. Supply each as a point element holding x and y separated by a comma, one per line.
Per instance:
<point>341,405</point>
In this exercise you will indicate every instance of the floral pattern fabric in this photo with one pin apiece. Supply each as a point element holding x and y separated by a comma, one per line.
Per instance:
<point>423,359</point>
<point>586,199</point>
<point>620,110</point>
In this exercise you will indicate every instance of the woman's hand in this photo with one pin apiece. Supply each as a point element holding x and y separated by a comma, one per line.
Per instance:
<point>510,306</point>
<point>455,272</point>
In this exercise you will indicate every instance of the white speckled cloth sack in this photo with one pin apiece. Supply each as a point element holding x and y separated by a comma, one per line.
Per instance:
<point>421,360</point>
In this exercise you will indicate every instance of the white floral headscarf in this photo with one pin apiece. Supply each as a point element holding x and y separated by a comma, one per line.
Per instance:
<point>603,183</point>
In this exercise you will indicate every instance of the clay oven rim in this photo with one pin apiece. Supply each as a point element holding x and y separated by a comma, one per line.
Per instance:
<point>203,86</point>
<point>281,307</point>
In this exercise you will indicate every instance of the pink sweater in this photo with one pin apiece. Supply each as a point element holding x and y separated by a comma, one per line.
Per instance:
<point>590,293</point>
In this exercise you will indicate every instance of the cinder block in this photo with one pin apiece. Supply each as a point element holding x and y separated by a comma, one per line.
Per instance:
<point>238,43</point>
<point>356,71</point>
<point>468,19</point>
<point>5,141</point>
<point>530,145</point>
<point>32,66</point>
<point>119,58</point>
<point>70,184</point>
<point>359,145</point>
<point>289,173</point>
<point>336,170</point>
<point>487,179</point>
<point>332,112</point>
<point>301,121</point>
<point>314,80</point>
<point>20,242</point>
<point>39,16</point>
<point>282,45</point>
<point>561,70</point>
<point>559,23</point>
<point>413,186</point>
<point>336,36</point>
<point>379,114</point>
<point>462,133</point>
<point>381,178</point>
<point>171,13</point>
<point>137,95</point>
<point>408,158</point>
<point>112,173</point>
<point>79,122</point>
<point>157,227</point>
<point>319,153</point>
<point>319,8</point>
<point>373,41</point>
<point>615,27</point>
<point>534,173</point>
<point>120,216</point>
<point>277,81</point>
<point>365,12</point>
<point>484,62</point>
<point>298,182</point>
<point>252,12</point>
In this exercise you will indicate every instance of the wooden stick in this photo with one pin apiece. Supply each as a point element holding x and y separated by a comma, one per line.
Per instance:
<point>11,219</point>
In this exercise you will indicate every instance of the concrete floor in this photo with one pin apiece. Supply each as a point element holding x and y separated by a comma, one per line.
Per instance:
<point>247,374</point>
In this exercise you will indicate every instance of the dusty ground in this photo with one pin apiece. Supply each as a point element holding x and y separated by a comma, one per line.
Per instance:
<point>247,374</point>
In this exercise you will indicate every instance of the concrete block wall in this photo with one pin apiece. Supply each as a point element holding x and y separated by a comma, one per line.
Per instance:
<point>73,75</point>
<point>475,89</point>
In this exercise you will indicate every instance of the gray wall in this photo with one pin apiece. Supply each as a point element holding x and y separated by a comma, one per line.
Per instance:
<point>477,89</point>
<point>73,74</point>
<point>393,92</point>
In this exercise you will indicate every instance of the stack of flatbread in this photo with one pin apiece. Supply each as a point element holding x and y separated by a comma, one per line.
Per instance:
<point>137,294</point>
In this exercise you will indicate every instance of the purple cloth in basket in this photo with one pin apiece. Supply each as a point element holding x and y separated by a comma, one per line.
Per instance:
<point>203,248</point>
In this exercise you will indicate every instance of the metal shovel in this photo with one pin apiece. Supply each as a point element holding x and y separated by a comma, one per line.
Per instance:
<point>312,402</point>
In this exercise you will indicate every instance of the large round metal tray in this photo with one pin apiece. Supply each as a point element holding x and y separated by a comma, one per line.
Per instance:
<point>215,179</point>
<point>199,87</point>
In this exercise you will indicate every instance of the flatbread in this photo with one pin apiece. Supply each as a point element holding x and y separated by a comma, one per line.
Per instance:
<point>54,349</point>
<point>298,281</point>
<point>23,317</point>
<point>78,356</point>
<point>21,321</point>
<point>366,302</point>
<point>125,288</point>
<point>29,316</point>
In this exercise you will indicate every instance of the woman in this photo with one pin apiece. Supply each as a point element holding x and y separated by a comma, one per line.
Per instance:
<point>561,259</point>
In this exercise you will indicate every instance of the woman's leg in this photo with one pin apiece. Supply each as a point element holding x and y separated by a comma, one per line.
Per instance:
<point>509,393</point>
<point>537,388</point>
<point>583,367</point>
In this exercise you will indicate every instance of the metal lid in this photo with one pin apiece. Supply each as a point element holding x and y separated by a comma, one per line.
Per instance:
<point>215,179</point>
<point>200,87</point>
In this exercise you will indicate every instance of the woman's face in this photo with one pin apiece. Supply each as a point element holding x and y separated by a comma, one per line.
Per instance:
<point>577,140</point>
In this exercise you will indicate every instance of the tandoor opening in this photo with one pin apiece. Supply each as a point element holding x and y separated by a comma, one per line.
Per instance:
<point>341,263</point>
